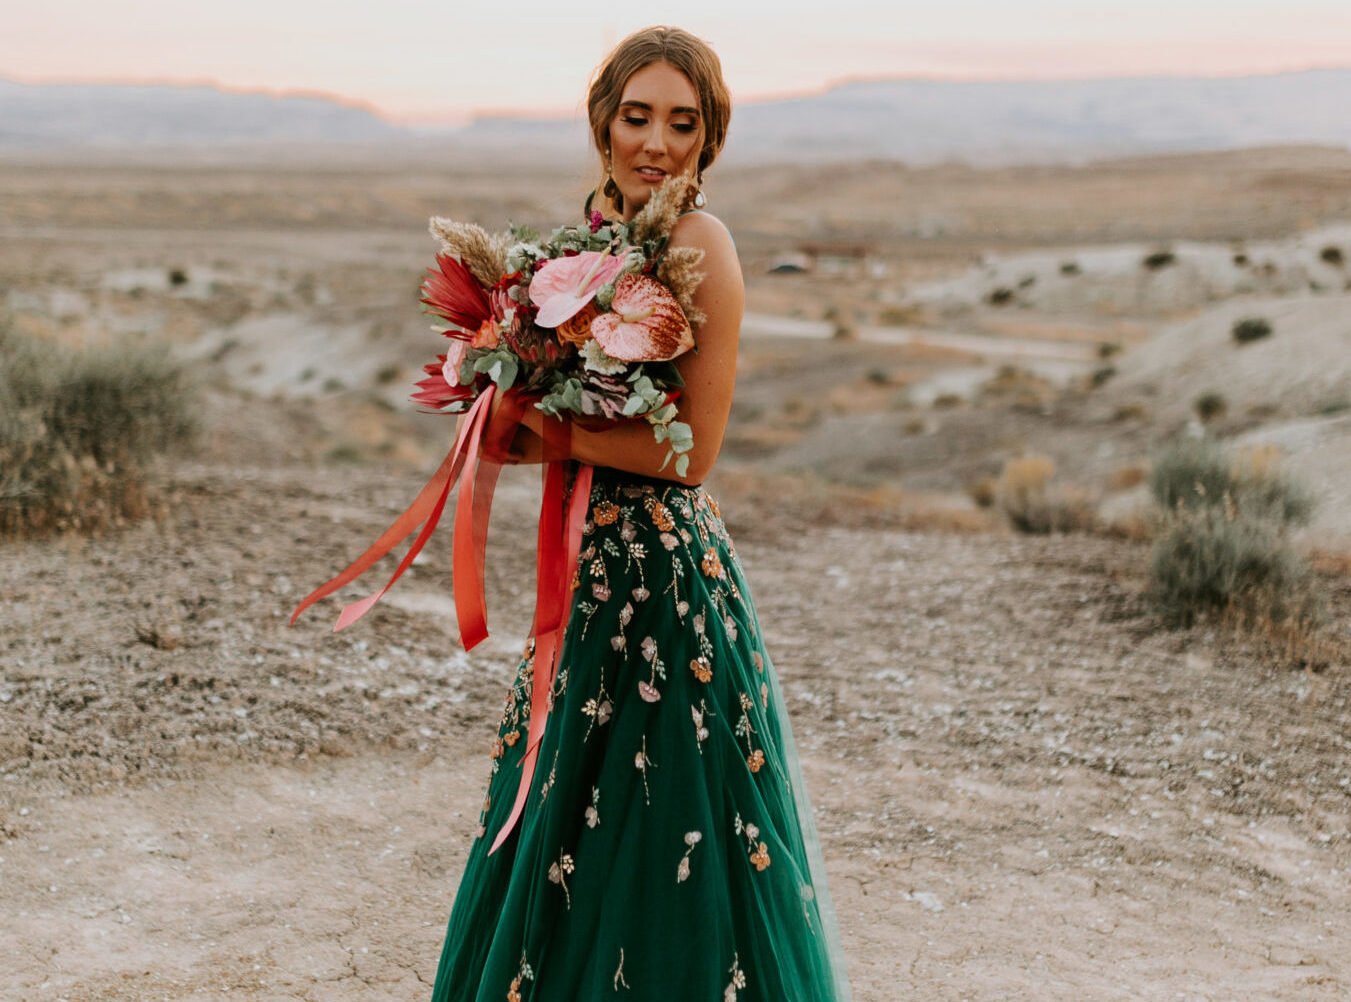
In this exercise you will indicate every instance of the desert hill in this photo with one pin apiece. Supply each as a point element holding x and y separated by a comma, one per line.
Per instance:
<point>920,121</point>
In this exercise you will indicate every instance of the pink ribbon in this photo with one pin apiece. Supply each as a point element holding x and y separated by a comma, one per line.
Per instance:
<point>473,465</point>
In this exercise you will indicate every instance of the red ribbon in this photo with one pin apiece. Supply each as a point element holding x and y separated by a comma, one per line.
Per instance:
<point>473,465</point>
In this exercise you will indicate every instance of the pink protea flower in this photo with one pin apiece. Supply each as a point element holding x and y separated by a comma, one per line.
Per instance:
<point>564,285</point>
<point>646,323</point>
<point>596,221</point>
<point>453,294</point>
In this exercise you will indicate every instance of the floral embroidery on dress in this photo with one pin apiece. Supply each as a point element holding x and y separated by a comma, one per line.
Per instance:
<point>525,973</point>
<point>738,980</point>
<point>683,869</point>
<point>700,731</point>
<point>648,690</point>
<point>759,851</point>
<point>558,874</point>
<point>593,809</point>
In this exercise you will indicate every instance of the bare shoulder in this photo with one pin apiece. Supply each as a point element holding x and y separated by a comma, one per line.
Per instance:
<point>707,232</point>
<point>711,235</point>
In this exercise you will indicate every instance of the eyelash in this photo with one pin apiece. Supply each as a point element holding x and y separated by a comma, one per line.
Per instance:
<point>685,127</point>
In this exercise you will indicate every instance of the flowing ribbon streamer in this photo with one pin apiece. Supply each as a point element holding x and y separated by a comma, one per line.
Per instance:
<point>426,508</point>
<point>473,465</point>
<point>560,541</point>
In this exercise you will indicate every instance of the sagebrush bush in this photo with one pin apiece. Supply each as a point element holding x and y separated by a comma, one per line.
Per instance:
<point>1224,545</point>
<point>1210,405</point>
<point>1033,504</point>
<point>1200,473</point>
<point>77,429</point>
<point>1218,559</point>
<point>1250,329</point>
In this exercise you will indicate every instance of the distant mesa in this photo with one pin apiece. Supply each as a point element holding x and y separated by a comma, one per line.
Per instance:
<point>65,115</point>
<point>917,121</point>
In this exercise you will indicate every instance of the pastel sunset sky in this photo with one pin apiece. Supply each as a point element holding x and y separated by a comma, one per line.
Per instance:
<point>416,61</point>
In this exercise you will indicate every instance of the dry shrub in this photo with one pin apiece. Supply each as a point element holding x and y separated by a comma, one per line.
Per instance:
<point>1195,473</point>
<point>1217,559</point>
<point>1123,478</point>
<point>1032,504</point>
<point>1224,548</point>
<point>984,491</point>
<point>77,430</point>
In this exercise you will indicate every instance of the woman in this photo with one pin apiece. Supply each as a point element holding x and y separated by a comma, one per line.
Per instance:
<point>667,850</point>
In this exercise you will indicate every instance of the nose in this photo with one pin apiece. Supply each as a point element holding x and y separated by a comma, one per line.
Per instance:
<point>654,144</point>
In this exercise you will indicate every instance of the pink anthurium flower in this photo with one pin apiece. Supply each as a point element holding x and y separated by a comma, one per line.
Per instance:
<point>564,285</point>
<point>646,323</point>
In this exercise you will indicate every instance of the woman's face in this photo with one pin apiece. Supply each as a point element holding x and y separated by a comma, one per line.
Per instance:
<point>655,133</point>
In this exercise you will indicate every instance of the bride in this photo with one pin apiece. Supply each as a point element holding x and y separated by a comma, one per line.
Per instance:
<point>666,849</point>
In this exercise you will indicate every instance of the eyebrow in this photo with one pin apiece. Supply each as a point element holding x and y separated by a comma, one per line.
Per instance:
<point>682,110</point>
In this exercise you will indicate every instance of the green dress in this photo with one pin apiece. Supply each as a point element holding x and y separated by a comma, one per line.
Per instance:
<point>667,851</point>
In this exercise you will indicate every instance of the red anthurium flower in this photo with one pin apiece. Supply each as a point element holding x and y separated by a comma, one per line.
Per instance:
<point>452,293</point>
<point>646,325</point>
<point>437,391</point>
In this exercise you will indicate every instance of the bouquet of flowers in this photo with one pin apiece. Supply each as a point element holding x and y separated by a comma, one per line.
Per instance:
<point>583,326</point>
<point>585,323</point>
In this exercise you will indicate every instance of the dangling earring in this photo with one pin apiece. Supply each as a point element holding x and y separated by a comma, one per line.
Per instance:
<point>700,199</point>
<point>611,190</point>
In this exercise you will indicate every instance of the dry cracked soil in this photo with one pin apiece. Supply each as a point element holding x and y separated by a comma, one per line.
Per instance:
<point>1025,789</point>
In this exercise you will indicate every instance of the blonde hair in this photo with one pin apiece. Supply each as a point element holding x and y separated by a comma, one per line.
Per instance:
<point>691,56</point>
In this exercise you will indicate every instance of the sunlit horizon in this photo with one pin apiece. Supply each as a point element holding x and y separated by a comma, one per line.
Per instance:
<point>419,64</point>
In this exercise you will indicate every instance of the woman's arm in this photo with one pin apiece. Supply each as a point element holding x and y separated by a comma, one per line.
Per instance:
<point>709,373</point>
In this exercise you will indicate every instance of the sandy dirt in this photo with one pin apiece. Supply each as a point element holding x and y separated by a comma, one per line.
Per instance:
<point>1023,790</point>
<point>1026,789</point>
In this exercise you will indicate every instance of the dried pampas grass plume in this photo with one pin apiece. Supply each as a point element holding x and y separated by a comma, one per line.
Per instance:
<point>679,272</point>
<point>484,254</point>
<point>658,217</point>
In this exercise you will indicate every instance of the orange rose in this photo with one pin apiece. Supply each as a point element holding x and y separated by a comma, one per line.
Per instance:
<point>577,329</point>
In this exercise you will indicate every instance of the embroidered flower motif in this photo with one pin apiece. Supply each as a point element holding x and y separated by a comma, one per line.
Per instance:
<point>711,564</point>
<point>756,760</point>
<point>558,873</point>
<point>593,809</point>
<point>598,710</point>
<point>764,694</point>
<point>759,661</point>
<point>661,518</point>
<point>511,737</point>
<point>628,532</point>
<point>669,541</point>
<point>760,857</point>
<point>600,591</point>
<point>649,648</point>
<point>641,594</point>
<point>499,749</point>
<point>683,868</point>
<point>625,614</point>
<point>700,731</point>
<point>702,669</point>
<point>738,981</point>
<point>605,513</point>
<point>648,692</point>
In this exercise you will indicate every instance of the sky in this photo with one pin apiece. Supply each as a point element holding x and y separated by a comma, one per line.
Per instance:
<point>419,62</point>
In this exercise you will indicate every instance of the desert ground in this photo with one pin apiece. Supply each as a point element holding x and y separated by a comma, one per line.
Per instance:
<point>1027,787</point>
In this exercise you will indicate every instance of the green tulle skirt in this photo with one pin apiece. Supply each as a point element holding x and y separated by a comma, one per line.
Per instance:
<point>667,851</point>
